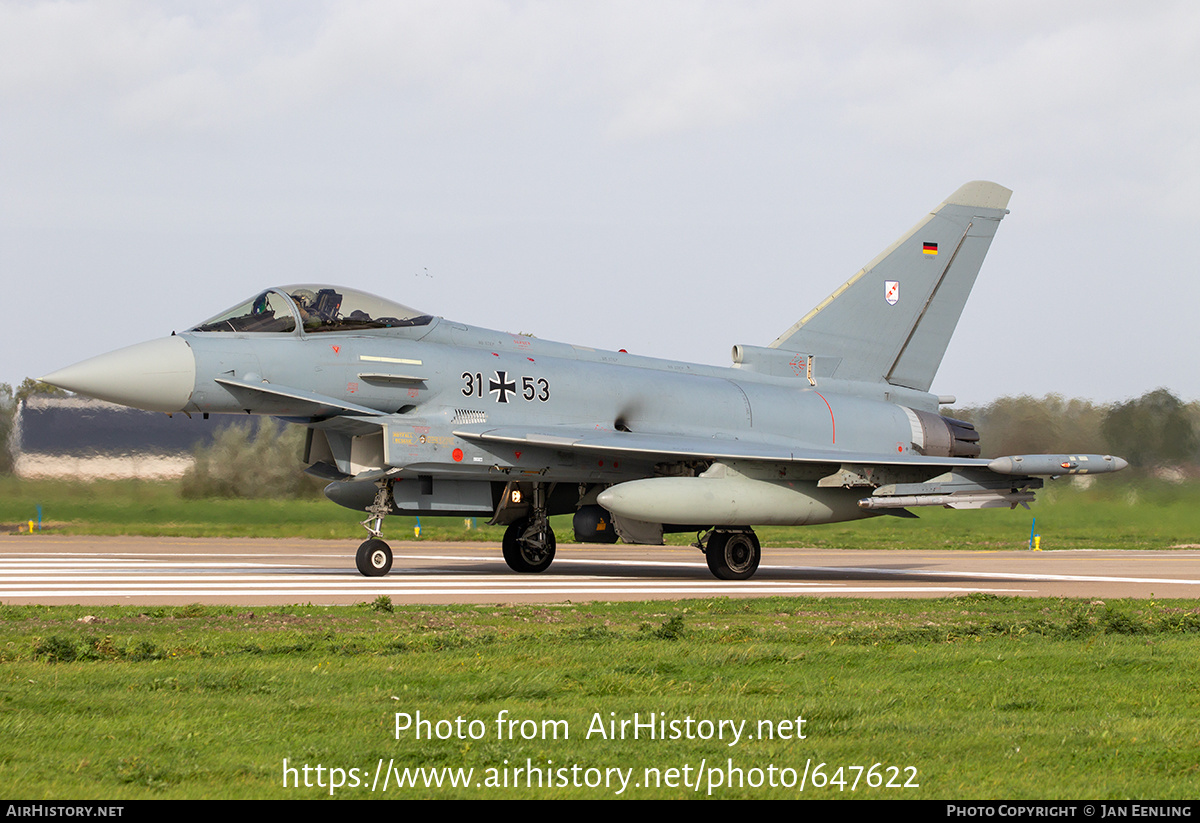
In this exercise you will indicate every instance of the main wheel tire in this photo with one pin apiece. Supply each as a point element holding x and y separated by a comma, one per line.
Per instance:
<point>526,556</point>
<point>733,555</point>
<point>374,558</point>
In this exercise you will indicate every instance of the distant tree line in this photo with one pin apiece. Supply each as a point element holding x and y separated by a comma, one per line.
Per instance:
<point>1151,431</point>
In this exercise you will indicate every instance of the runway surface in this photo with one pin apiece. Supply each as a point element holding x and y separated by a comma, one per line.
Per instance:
<point>159,571</point>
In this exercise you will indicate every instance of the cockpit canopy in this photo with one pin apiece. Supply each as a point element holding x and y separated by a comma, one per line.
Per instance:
<point>314,308</point>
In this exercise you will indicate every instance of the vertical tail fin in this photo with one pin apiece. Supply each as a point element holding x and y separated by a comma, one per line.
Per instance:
<point>891,322</point>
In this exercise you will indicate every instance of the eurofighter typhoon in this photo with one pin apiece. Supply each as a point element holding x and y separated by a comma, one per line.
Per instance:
<point>413,414</point>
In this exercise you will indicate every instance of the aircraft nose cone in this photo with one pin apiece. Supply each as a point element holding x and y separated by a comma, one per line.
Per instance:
<point>156,376</point>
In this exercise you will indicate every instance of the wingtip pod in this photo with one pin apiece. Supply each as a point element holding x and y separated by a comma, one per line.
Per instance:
<point>1056,464</point>
<point>981,194</point>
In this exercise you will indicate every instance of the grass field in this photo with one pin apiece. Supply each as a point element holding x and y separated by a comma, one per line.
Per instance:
<point>968,697</point>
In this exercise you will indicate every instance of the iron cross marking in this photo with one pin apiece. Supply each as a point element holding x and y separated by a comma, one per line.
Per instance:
<point>501,386</point>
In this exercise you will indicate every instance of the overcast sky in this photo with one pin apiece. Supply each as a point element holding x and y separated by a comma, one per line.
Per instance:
<point>666,177</point>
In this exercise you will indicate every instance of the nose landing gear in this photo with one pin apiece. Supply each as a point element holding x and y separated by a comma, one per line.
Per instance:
<point>374,557</point>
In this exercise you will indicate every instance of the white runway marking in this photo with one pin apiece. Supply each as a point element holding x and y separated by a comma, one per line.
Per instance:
<point>132,579</point>
<point>246,574</point>
<point>1031,576</point>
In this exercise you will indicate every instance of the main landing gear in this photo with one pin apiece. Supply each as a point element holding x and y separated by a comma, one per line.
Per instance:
<point>529,545</point>
<point>529,540</point>
<point>732,554</point>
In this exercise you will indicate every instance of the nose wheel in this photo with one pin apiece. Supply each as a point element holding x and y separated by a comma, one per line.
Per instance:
<point>374,558</point>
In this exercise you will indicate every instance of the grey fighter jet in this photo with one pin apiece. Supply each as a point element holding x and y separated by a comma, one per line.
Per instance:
<point>408,413</point>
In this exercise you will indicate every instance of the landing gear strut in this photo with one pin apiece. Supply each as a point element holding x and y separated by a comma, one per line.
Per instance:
<point>374,557</point>
<point>529,542</point>
<point>732,555</point>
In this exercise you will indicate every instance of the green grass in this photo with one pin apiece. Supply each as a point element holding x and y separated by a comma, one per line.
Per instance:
<point>984,697</point>
<point>1116,513</point>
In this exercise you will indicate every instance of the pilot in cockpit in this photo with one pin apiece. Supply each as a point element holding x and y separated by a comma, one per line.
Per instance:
<point>305,300</point>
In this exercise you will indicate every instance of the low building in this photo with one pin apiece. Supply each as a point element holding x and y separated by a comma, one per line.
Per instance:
<point>90,439</point>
